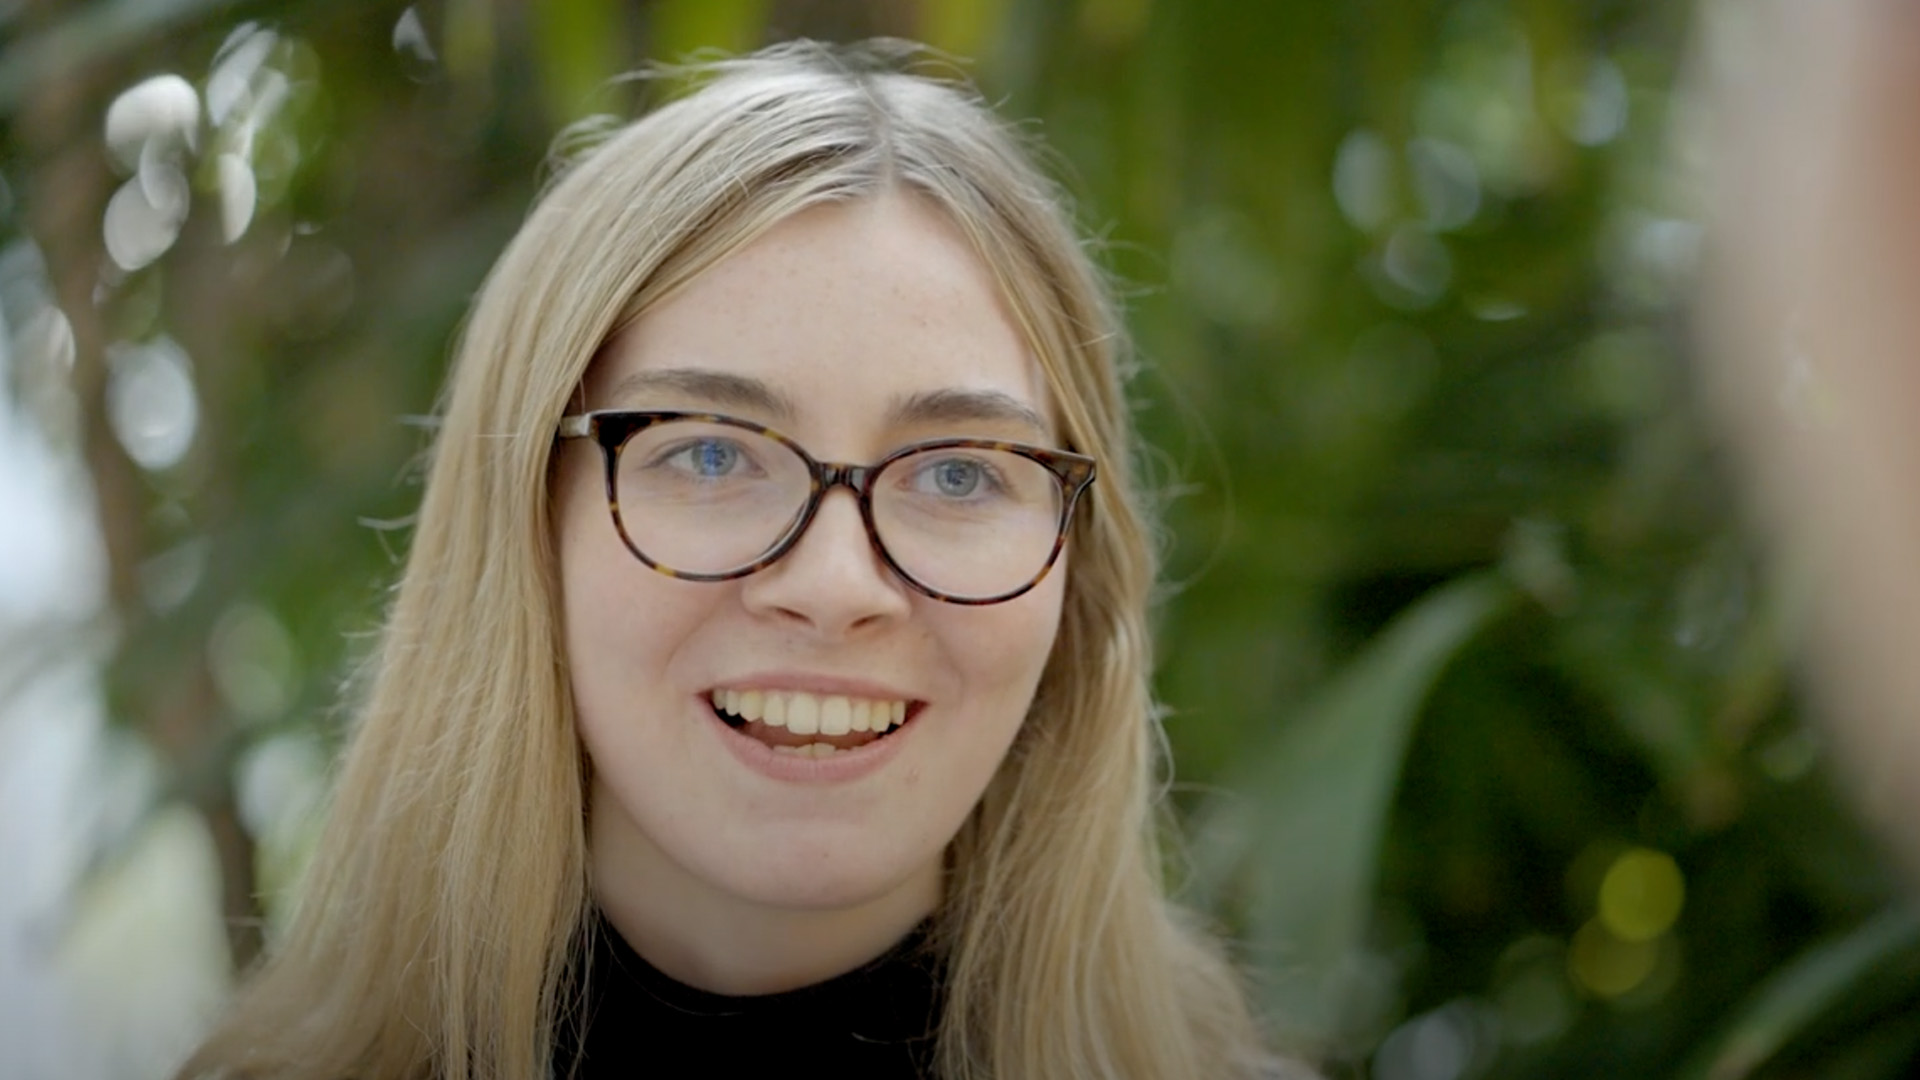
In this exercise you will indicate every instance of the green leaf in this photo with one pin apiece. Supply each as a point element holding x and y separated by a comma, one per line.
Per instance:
<point>1803,991</point>
<point>685,27</point>
<point>578,43</point>
<point>964,28</point>
<point>1295,842</point>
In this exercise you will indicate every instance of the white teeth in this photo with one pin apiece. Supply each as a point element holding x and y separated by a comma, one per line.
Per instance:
<point>811,750</point>
<point>803,714</point>
<point>806,714</point>
<point>836,716</point>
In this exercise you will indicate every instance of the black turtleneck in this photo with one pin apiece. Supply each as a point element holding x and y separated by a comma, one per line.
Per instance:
<point>875,1021</point>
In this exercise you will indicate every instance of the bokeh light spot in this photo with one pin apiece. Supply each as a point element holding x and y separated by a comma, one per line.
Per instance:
<point>254,663</point>
<point>151,402</point>
<point>1589,103</point>
<point>417,58</point>
<point>1456,1040</point>
<point>1363,180</point>
<point>1535,1002</point>
<point>238,194</point>
<point>1413,269</point>
<point>168,578</point>
<point>1606,965</point>
<point>232,82</point>
<point>1641,895</point>
<point>1445,181</point>
<point>138,231</point>
<point>281,780</point>
<point>1224,271</point>
<point>164,109</point>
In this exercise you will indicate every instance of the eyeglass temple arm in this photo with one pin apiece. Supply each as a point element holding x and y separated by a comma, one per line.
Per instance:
<point>575,427</point>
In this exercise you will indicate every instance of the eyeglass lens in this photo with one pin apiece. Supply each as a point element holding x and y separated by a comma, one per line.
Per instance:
<point>705,498</point>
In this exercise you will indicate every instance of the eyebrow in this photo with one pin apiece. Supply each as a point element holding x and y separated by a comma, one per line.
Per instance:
<point>717,388</point>
<point>962,406</point>
<point>727,390</point>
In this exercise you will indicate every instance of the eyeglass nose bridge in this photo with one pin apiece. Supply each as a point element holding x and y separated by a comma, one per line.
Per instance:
<point>827,475</point>
<point>855,478</point>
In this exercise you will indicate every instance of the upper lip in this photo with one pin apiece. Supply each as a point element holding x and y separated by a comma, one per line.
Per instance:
<point>819,685</point>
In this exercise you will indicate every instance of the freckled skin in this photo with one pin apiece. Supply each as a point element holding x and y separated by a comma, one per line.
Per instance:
<point>723,876</point>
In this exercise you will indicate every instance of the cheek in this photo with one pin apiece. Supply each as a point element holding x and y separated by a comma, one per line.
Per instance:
<point>1009,651</point>
<point>626,635</point>
<point>622,622</point>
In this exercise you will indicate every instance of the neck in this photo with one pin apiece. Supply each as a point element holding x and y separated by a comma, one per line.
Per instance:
<point>711,939</point>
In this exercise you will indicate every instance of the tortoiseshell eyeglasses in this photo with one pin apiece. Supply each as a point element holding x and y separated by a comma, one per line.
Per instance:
<point>704,497</point>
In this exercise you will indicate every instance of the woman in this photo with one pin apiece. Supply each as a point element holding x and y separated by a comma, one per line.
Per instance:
<point>612,757</point>
<point>1813,367</point>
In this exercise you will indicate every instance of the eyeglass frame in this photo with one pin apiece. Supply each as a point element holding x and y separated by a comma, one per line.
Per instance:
<point>612,429</point>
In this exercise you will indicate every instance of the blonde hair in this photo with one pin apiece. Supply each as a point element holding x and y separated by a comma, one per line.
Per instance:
<point>449,897</point>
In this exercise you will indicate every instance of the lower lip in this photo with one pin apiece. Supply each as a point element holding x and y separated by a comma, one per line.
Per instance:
<point>843,767</point>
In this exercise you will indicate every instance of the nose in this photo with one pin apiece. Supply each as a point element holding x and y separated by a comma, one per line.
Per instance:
<point>832,581</point>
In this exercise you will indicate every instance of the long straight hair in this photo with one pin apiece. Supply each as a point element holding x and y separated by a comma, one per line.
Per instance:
<point>448,898</point>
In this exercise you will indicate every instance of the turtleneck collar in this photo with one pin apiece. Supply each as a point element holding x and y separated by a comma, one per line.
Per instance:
<point>877,1020</point>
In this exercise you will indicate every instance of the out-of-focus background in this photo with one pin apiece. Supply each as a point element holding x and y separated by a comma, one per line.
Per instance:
<point>1491,740</point>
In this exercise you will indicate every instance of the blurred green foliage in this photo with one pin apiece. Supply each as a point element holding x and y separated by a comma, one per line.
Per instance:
<point>1481,698</point>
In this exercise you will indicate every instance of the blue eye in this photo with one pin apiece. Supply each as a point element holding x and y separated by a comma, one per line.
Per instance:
<point>956,477</point>
<point>713,458</point>
<point>704,458</point>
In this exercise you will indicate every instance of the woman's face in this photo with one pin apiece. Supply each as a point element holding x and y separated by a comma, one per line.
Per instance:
<point>853,329</point>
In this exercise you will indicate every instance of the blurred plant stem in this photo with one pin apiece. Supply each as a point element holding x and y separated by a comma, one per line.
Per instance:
<point>68,181</point>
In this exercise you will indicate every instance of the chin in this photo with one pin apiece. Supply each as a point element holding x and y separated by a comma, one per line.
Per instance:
<point>820,878</point>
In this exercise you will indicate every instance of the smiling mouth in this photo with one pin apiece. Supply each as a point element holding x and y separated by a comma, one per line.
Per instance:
<point>809,725</point>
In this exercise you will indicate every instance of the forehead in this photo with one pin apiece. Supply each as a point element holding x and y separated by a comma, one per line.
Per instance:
<point>841,311</point>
